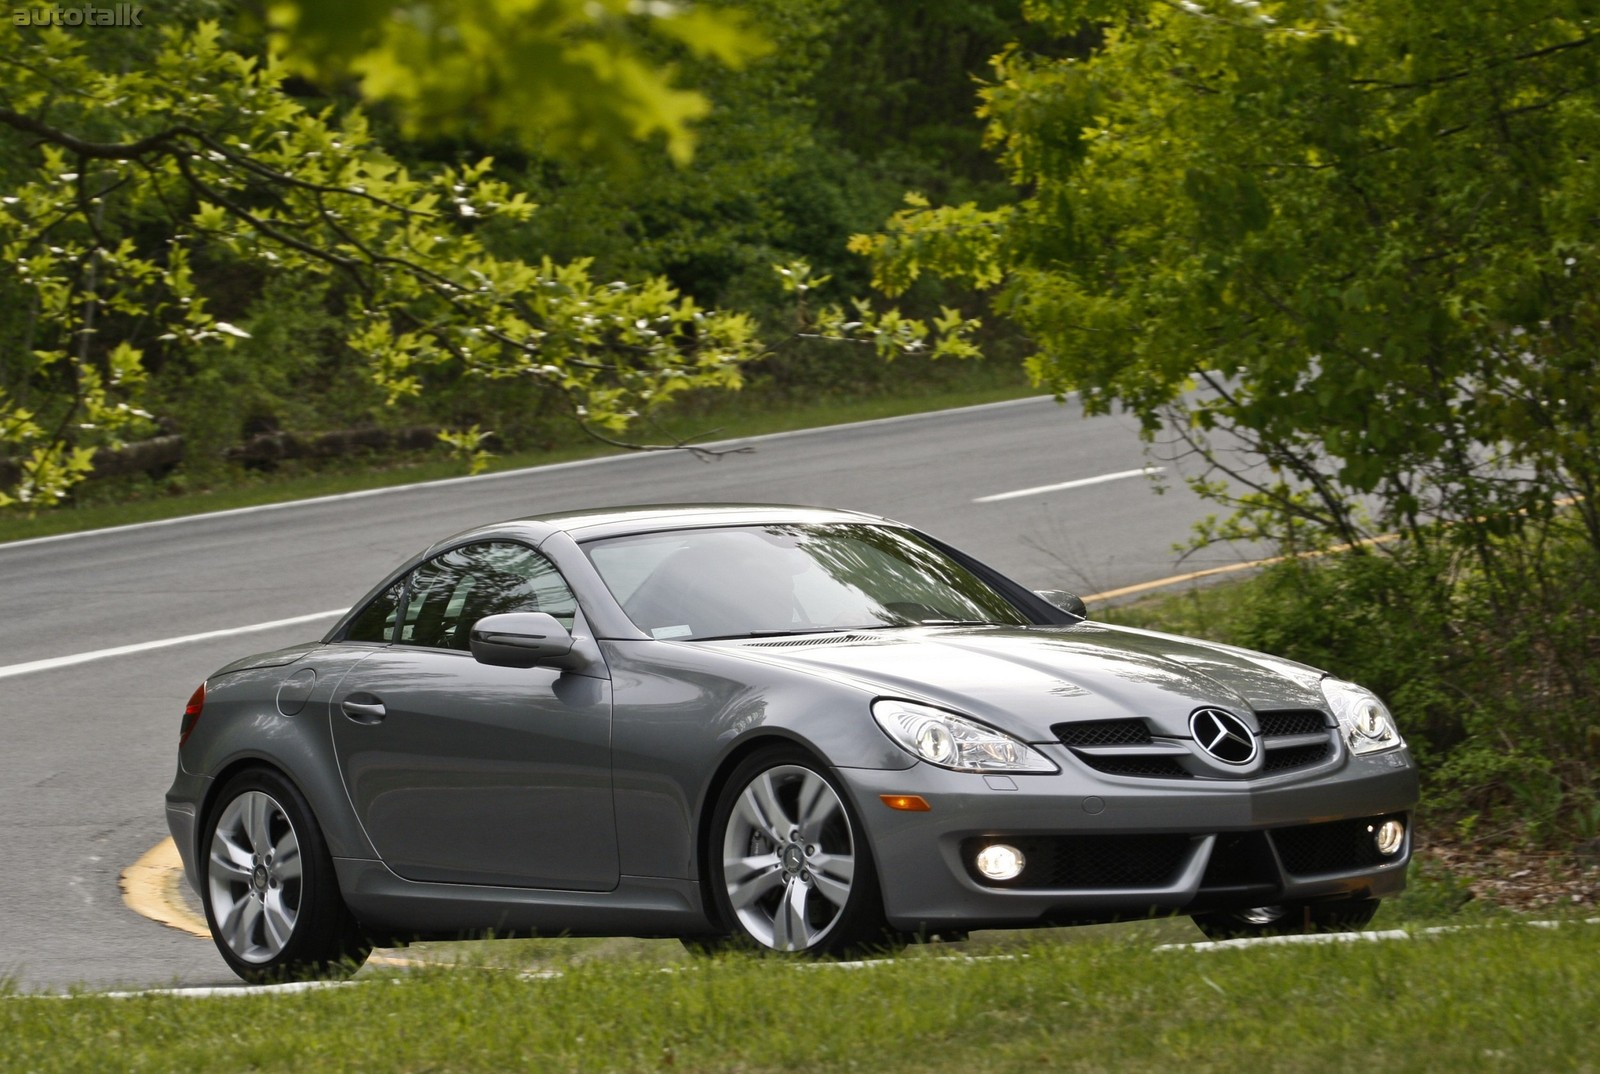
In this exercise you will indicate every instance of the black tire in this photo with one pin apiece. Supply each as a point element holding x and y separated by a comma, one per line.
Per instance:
<point>1288,919</point>
<point>267,881</point>
<point>802,879</point>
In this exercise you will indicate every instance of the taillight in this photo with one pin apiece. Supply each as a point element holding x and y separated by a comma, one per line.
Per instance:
<point>191,713</point>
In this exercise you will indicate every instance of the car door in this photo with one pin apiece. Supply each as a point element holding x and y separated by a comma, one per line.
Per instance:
<point>466,773</point>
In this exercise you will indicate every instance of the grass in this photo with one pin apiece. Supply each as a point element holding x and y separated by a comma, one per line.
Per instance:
<point>723,417</point>
<point>1502,998</point>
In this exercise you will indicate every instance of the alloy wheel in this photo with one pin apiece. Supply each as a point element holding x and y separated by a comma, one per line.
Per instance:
<point>254,877</point>
<point>788,858</point>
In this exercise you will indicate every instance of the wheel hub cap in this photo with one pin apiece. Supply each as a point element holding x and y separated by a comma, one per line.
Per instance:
<point>254,877</point>
<point>788,857</point>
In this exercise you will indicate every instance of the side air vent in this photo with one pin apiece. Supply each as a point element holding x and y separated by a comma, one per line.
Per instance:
<point>804,641</point>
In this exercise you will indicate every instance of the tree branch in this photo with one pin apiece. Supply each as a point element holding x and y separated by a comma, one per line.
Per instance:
<point>348,264</point>
<point>1456,76</point>
<point>161,141</point>
<point>704,454</point>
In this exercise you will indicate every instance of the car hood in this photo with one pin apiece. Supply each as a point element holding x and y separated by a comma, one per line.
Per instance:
<point>1023,680</point>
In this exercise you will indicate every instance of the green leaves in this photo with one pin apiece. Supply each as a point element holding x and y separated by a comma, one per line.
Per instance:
<point>1344,219</point>
<point>890,333</point>
<point>960,242</point>
<point>119,242</point>
<point>580,77</point>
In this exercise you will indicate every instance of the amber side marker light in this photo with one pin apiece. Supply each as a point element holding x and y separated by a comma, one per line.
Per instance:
<point>906,803</point>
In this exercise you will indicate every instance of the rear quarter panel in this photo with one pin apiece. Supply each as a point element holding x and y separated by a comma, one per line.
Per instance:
<point>276,714</point>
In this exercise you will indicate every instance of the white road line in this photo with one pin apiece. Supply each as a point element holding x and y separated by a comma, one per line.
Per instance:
<point>1082,481</point>
<point>55,662</point>
<point>501,475</point>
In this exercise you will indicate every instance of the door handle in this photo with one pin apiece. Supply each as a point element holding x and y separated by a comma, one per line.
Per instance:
<point>364,711</point>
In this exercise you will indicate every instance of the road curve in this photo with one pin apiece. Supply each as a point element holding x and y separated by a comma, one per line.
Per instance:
<point>146,612</point>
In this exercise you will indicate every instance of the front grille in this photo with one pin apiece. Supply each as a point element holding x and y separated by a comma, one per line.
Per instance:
<point>1291,722</point>
<point>1284,760</point>
<point>1335,847</point>
<point>1284,739</point>
<point>1239,859</point>
<point>1153,767</point>
<point>1291,739</point>
<point>1097,862</point>
<point>1102,733</point>
<point>1089,735</point>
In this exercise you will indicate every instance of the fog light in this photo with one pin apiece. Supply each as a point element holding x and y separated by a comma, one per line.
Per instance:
<point>1000,862</point>
<point>1390,838</point>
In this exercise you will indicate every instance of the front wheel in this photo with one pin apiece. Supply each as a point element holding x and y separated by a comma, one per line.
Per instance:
<point>1288,919</point>
<point>270,895</point>
<point>790,866</point>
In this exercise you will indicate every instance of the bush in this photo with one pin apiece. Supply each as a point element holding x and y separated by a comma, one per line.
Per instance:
<point>1485,654</point>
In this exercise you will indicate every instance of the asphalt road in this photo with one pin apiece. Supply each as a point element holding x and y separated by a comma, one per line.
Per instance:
<point>88,748</point>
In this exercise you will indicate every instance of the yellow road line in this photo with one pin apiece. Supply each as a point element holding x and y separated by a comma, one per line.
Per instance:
<point>1179,579</point>
<point>1231,568</point>
<point>152,887</point>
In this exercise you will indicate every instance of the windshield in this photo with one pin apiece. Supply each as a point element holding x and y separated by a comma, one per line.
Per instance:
<point>751,580</point>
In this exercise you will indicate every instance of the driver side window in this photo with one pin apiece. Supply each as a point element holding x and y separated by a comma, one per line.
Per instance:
<point>455,589</point>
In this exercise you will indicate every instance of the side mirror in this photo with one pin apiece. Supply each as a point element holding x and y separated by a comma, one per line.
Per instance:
<point>1067,602</point>
<point>520,640</point>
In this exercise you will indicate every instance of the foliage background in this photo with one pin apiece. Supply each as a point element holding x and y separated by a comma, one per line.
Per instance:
<point>1346,252</point>
<point>806,121</point>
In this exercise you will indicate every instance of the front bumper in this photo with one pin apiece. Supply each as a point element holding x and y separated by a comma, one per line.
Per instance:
<point>1103,848</point>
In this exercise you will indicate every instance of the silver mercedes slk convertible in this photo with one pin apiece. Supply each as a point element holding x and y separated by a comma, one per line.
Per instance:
<point>775,727</point>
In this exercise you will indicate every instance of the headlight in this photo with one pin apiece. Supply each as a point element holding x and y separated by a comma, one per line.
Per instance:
<point>951,741</point>
<point>1366,725</point>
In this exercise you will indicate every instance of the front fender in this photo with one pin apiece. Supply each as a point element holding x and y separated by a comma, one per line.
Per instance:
<point>682,710</point>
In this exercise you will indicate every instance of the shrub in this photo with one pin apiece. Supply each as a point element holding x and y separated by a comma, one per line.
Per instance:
<point>1487,655</point>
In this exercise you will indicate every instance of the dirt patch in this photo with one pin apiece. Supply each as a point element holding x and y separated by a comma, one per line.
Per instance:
<point>1518,878</point>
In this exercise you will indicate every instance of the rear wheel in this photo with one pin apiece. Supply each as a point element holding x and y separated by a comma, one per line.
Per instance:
<point>270,895</point>
<point>790,866</point>
<point>1288,919</point>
